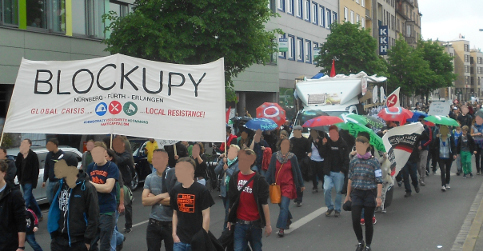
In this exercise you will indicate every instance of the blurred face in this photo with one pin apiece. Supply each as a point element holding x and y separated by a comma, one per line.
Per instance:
<point>50,146</point>
<point>160,161</point>
<point>232,152</point>
<point>245,161</point>
<point>196,151</point>
<point>99,155</point>
<point>314,134</point>
<point>297,133</point>
<point>24,146</point>
<point>282,136</point>
<point>244,135</point>
<point>3,155</point>
<point>89,145</point>
<point>334,135</point>
<point>361,147</point>
<point>185,172</point>
<point>151,140</point>
<point>118,145</point>
<point>478,120</point>
<point>285,146</point>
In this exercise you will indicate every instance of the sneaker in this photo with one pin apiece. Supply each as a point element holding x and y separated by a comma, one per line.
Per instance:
<point>363,222</point>
<point>41,218</point>
<point>477,173</point>
<point>427,173</point>
<point>399,183</point>
<point>315,190</point>
<point>471,175</point>
<point>360,246</point>
<point>447,186</point>
<point>119,248</point>
<point>289,222</point>
<point>408,194</point>
<point>443,189</point>
<point>464,176</point>
<point>329,212</point>
<point>298,204</point>
<point>336,214</point>
<point>458,174</point>
<point>127,230</point>
<point>422,183</point>
<point>367,248</point>
<point>434,172</point>
<point>417,189</point>
<point>281,233</point>
<point>374,220</point>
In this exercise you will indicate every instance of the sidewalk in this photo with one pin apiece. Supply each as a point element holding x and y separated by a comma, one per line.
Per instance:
<point>472,228</point>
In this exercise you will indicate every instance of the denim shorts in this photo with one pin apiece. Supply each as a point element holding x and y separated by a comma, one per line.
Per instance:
<point>366,198</point>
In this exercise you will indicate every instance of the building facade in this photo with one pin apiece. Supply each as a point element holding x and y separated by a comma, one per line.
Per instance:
<point>476,71</point>
<point>408,21</point>
<point>353,11</point>
<point>384,14</point>
<point>463,88</point>
<point>50,30</point>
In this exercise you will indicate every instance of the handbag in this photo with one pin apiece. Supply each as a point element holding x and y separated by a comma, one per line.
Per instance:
<point>275,191</point>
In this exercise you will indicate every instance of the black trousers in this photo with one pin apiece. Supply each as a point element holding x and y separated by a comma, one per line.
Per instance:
<point>300,194</point>
<point>61,244</point>
<point>445,166</point>
<point>478,158</point>
<point>317,171</point>
<point>156,233</point>
<point>128,210</point>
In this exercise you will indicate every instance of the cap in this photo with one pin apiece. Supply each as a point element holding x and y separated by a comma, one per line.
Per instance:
<point>347,206</point>
<point>298,127</point>
<point>455,108</point>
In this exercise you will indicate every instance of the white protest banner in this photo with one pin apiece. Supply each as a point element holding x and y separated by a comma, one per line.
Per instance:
<point>119,94</point>
<point>393,99</point>
<point>399,143</point>
<point>439,108</point>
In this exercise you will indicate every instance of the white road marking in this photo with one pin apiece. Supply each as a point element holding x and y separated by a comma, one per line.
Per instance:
<point>140,223</point>
<point>306,219</point>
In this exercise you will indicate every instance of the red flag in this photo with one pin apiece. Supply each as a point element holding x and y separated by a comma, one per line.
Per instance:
<point>228,114</point>
<point>332,71</point>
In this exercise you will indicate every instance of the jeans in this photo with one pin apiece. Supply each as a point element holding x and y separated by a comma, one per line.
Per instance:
<point>459,167</point>
<point>30,238</point>
<point>30,200</point>
<point>465,158</point>
<point>445,166</point>
<point>284,214</point>
<point>245,233</point>
<point>423,157</point>
<point>226,204</point>
<point>128,209</point>
<point>317,172</point>
<point>180,246</point>
<point>410,169</point>
<point>117,238</point>
<point>50,190</point>
<point>335,180</point>
<point>155,234</point>
<point>106,229</point>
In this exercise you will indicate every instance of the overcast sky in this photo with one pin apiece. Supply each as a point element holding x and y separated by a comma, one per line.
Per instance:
<point>446,19</point>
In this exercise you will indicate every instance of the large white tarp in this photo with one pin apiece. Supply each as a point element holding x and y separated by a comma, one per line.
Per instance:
<point>119,94</point>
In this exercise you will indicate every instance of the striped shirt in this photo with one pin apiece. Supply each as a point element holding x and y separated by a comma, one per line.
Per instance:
<point>365,173</point>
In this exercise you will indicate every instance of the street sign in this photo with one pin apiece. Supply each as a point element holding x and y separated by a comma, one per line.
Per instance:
<point>383,40</point>
<point>283,44</point>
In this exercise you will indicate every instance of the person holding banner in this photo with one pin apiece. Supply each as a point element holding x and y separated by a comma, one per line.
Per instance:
<point>151,145</point>
<point>53,156</point>
<point>445,153</point>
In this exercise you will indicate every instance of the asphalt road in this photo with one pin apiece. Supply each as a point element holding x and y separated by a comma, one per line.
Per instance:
<point>423,221</point>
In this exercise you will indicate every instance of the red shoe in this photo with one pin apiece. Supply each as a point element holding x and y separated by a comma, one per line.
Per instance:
<point>374,221</point>
<point>363,222</point>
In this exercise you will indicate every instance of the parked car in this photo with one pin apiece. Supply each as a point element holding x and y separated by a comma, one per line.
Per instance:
<point>141,164</point>
<point>40,192</point>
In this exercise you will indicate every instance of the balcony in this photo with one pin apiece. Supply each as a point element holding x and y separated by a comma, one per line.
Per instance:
<point>368,14</point>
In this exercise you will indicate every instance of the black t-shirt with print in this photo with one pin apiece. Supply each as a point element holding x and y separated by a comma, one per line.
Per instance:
<point>189,204</point>
<point>64,196</point>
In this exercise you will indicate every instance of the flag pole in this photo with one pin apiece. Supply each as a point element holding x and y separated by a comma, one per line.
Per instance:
<point>110,144</point>
<point>1,138</point>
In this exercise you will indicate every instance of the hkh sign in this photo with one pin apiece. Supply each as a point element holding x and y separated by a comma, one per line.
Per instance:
<point>383,40</point>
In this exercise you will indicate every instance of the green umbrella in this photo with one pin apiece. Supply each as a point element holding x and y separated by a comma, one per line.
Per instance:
<point>355,128</point>
<point>441,120</point>
<point>354,118</point>
<point>374,122</point>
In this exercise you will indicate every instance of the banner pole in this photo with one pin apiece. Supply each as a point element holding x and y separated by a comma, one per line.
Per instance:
<point>174,147</point>
<point>110,144</point>
<point>1,138</point>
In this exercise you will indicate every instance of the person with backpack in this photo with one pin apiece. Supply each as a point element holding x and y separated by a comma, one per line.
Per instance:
<point>32,227</point>
<point>465,148</point>
<point>226,167</point>
<point>249,212</point>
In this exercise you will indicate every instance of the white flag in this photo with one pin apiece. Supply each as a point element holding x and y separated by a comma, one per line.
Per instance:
<point>393,99</point>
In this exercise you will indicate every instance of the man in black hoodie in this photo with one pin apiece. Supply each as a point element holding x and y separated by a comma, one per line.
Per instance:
<point>54,155</point>
<point>125,164</point>
<point>411,169</point>
<point>335,170</point>
<point>27,164</point>
<point>74,212</point>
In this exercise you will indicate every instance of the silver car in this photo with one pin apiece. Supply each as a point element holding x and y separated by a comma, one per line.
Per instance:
<point>40,192</point>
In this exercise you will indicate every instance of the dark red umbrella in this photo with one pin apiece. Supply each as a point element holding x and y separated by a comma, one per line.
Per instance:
<point>272,111</point>
<point>319,122</point>
<point>395,114</point>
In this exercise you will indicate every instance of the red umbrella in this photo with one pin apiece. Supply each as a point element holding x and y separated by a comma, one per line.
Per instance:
<point>317,123</point>
<point>272,111</point>
<point>395,114</point>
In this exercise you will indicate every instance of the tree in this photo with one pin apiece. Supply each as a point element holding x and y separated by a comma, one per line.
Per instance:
<point>407,68</point>
<point>354,48</point>
<point>195,32</point>
<point>440,64</point>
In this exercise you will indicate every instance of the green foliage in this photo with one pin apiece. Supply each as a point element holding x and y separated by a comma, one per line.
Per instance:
<point>196,32</point>
<point>407,68</point>
<point>355,50</point>
<point>7,140</point>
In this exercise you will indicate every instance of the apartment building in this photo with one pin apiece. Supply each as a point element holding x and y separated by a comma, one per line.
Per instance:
<point>463,88</point>
<point>353,11</point>
<point>408,21</point>
<point>384,14</point>
<point>50,30</point>
<point>476,71</point>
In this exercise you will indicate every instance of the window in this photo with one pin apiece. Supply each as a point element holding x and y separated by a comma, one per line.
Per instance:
<point>315,46</point>
<point>308,51</point>
<point>299,8</point>
<point>300,49</point>
<point>290,6</point>
<point>363,3</point>
<point>314,13</point>
<point>95,10</point>
<point>281,5</point>
<point>48,14</point>
<point>358,18</point>
<point>346,13</point>
<point>291,48</point>
<point>79,17</point>
<point>9,12</point>
<point>121,9</point>
<point>322,15</point>
<point>357,1</point>
<point>352,16</point>
<point>334,17</point>
<point>467,80</point>
<point>327,19</point>
<point>307,10</point>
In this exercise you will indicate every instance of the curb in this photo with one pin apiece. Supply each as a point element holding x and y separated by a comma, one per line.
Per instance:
<point>470,230</point>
